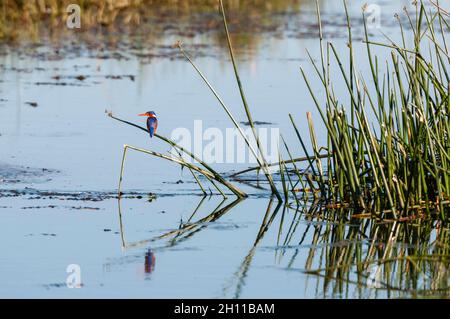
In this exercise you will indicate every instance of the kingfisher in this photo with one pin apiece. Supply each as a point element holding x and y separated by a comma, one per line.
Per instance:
<point>152,122</point>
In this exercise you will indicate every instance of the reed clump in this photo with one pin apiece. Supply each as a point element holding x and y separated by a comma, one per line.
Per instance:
<point>389,148</point>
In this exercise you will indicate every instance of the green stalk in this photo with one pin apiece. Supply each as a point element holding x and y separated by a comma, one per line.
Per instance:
<point>247,109</point>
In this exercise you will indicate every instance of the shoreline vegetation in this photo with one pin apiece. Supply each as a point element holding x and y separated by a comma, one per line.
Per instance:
<point>30,19</point>
<point>396,166</point>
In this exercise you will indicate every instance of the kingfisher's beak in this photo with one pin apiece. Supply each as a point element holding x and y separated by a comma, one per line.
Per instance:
<point>143,114</point>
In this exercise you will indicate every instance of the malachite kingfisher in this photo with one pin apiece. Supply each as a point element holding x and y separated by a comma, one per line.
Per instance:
<point>152,122</point>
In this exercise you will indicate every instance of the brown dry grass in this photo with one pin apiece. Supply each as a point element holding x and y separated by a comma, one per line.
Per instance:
<point>19,19</point>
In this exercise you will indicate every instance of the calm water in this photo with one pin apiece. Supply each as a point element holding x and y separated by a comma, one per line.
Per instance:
<point>60,162</point>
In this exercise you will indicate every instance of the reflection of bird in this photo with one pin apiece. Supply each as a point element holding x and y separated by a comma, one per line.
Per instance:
<point>149,261</point>
<point>152,122</point>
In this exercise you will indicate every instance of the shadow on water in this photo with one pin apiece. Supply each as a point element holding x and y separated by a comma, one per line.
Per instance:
<point>343,255</point>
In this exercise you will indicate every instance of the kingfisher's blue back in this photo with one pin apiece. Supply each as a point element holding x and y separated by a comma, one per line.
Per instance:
<point>152,125</point>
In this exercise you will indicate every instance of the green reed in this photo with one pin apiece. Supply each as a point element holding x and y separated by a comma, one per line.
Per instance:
<point>400,157</point>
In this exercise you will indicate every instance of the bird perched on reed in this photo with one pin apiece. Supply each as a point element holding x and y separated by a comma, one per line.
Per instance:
<point>152,122</point>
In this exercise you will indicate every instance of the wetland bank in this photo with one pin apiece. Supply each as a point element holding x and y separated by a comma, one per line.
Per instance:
<point>61,156</point>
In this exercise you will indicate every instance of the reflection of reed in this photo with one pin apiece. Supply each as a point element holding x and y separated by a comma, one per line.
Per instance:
<point>400,258</point>
<point>345,254</point>
<point>185,230</point>
<point>397,259</point>
<point>239,276</point>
